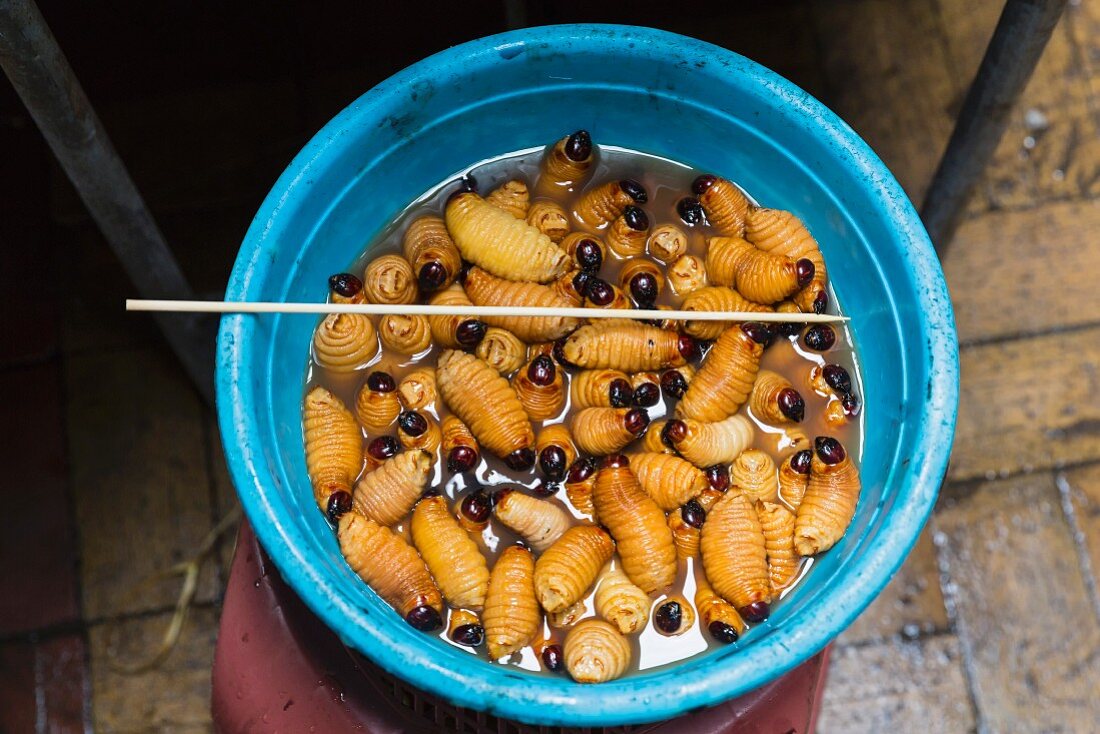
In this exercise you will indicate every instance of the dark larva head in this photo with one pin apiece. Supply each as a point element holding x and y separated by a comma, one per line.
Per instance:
<point>579,146</point>
<point>345,284</point>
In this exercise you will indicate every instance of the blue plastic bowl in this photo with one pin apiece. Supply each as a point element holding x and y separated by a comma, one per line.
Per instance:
<point>642,89</point>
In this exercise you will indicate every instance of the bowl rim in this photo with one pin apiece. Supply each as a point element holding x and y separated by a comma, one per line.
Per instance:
<point>525,698</point>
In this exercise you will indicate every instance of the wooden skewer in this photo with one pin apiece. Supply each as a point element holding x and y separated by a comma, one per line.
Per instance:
<point>458,310</point>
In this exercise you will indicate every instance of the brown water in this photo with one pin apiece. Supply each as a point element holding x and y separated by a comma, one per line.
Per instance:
<point>666,182</point>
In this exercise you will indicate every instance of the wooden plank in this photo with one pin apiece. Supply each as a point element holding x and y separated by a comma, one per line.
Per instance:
<point>1083,22</point>
<point>173,696</point>
<point>1082,488</point>
<point>1051,149</point>
<point>1022,272</point>
<point>1021,606</point>
<point>888,77</point>
<point>139,477</point>
<point>1028,405</point>
<point>911,605</point>
<point>911,685</point>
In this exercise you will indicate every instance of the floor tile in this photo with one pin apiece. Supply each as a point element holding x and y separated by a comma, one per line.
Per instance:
<point>897,686</point>
<point>1023,613</point>
<point>911,604</point>
<point>37,561</point>
<point>140,480</point>
<point>172,697</point>
<point>1027,405</point>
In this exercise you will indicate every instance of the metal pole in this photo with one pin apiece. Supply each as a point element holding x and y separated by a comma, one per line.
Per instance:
<point>41,75</point>
<point>1018,42</point>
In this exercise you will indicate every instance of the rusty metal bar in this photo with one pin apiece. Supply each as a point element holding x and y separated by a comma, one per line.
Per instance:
<point>1021,35</point>
<point>41,75</point>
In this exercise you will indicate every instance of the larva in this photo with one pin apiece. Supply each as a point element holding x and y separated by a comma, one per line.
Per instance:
<point>540,387</point>
<point>794,474</point>
<point>734,556</point>
<point>418,431</point>
<point>754,473</point>
<point>378,450</point>
<point>668,480</point>
<point>653,441</point>
<point>512,197</point>
<point>686,521</point>
<point>388,493</point>
<point>405,334</point>
<point>638,526</point>
<point>716,614</point>
<point>674,616</point>
<point>601,294</point>
<point>620,602</point>
<point>502,350</point>
<point>596,652</point>
<point>601,205</point>
<point>629,232</point>
<point>486,403</point>
<point>344,342</point>
<point>782,233</point>
<point>643,280</point>
<point>587,250</point>
<point>716,298</point>
<point>566,163</point>
<point>538,522</point>
<point>603,431</point>
<point>334,445</point>
<point>724,381</point>
<point>569,287</point>
<point>667,243</point>
<point>829,504</point>
<point>460,448</point>
<point>454,332</point>
<point>417,389</point>
<point>465,628</point>
<point>512,616</point>
<point>376,404</point>
<point>432,253</point>
<point>763,277</point>
<point>484,289</point>
<point>627,346</point>
<point>549,218</point>
<point>389,279</point>
<point>453,558</point>
<point>392,568</point>
<point>777,523</point>
<point>579,481</point>
<point>556,451</point>
<point>647,389</point>
<point>687,274</point>
<point>675,381</point>
<point>345,288</point>
<point>567,568</point>
<point>501,244</point>
<point>774,399</point>
<point>566,617</point>
<point>473,510</point>
<point>726,206</point>
<point>707,444</point>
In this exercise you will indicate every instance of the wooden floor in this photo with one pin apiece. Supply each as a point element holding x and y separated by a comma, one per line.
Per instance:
<point>116,473</point>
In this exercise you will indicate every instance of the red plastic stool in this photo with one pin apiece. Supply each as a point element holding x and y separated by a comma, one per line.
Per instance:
<point>278,668</point>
